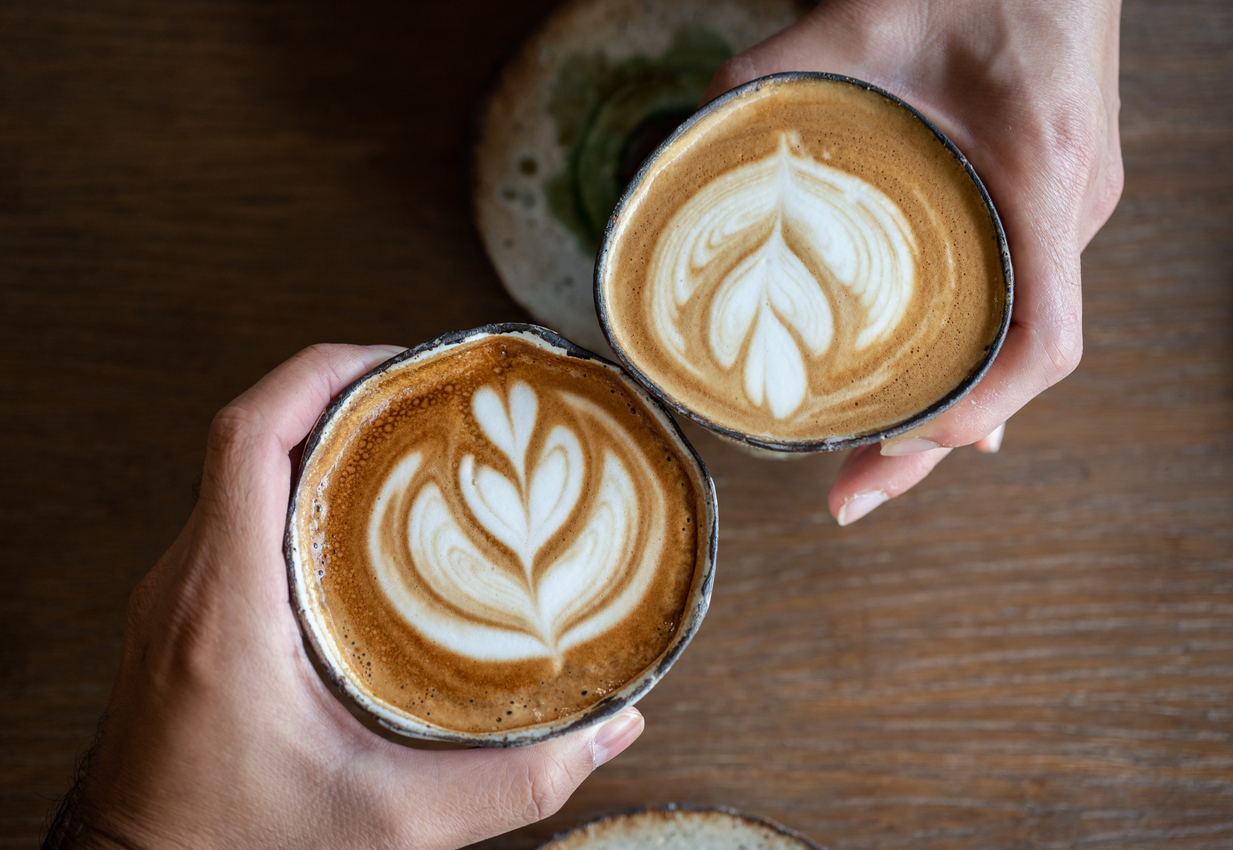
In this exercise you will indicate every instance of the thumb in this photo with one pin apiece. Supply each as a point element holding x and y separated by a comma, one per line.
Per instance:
<point>464,797</point>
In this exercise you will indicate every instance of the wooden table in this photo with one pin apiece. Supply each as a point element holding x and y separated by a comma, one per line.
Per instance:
<point>1030,649</point>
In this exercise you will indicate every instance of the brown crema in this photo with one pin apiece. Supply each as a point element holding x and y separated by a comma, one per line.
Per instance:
<point>857,281</point>
<point>397,489</point>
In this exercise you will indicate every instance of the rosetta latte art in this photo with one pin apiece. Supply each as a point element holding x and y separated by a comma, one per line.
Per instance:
<point>765,308</point>
<point>508,601</point>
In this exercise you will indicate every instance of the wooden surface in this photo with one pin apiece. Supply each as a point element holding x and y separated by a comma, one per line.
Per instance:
<point>1033,649</point>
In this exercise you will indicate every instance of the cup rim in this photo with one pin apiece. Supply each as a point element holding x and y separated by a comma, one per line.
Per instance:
<point>305,599</point>
<point>809,445</point>
<point>684,808</point>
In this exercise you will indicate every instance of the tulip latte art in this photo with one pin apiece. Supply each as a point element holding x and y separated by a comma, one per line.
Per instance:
<point>806,262</point>
<point>504,536</point>
<point>520,599</point>
<point>766,312</point>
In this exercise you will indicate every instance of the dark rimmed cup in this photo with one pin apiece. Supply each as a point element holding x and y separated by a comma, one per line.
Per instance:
<point>715,827</point>
<point>309,598</point>
<point>616,285</point>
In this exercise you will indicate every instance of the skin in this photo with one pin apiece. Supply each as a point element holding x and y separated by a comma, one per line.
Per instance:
<point>1027,89</point>
<point>220,733</point>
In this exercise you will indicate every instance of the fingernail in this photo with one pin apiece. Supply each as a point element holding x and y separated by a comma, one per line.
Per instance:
<point>859,505</point>
<point>916,445</point>
<point>388,349</point>
<point>615,735</point>
<point>993,440</point>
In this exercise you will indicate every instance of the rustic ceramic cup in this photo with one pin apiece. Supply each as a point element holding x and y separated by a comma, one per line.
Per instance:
<point>693,133</point>
<point>311,605</point>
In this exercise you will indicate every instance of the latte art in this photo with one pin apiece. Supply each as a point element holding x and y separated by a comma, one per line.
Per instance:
<point>764,308</point>
<point>515,601</point>
<point>805,264</point>
<point>498,537</point>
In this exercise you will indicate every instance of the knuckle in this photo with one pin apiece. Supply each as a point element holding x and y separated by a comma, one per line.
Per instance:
<point>231,428</point>
<point>548,785</point>
<point>174,633</point>
<point>1083,139</point>
<point>1075,135</point>
<point>1109,192</point>
<point>1063,346</point>
<point>319,351</point>
<point>1115,179</point>
<point>139,602</point>
<point>198,658</point>
<point>137,619</point>
<point>1080,136</point>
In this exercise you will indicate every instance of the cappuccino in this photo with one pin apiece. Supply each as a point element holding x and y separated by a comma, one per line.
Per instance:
<point>497,537</point>
<point>806,264</point>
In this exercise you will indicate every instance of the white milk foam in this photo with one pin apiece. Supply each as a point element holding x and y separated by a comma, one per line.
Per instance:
<point>769,314</point>
<point>515,608</point>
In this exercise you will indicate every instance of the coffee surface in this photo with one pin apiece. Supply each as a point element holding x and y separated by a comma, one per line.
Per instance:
<point>806,262</point>
<point>504,535</point>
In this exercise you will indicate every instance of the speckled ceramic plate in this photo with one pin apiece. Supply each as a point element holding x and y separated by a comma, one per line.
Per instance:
<point>571,118</point>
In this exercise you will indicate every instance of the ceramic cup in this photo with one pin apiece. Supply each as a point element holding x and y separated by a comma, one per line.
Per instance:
<point>497,537</point>
<point>806,264</point>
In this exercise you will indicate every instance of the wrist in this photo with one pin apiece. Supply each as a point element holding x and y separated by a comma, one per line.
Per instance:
<point>72,829</point>
<point>82,836</point>
<point>91,815</point>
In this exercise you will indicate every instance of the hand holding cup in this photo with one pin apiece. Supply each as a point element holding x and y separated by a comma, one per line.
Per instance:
<point>220,732</point>
<point>1028,91</point>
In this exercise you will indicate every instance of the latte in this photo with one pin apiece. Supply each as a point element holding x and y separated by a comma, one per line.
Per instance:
<point>676,828</point>
<point>497,537</point>
<point>806,264</point>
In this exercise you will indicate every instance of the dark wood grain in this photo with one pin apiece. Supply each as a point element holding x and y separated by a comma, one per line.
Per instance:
<point>1033,649</point>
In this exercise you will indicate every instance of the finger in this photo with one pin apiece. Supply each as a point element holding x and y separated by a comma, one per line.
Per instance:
<point>247,474</point>
<point>1033,358</point>
<point>284,404</point>
<point>868,479</point>
<point>1043,345</point>
<point>464,797</point>
<point>804,46</point>
<point>991,442</point>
